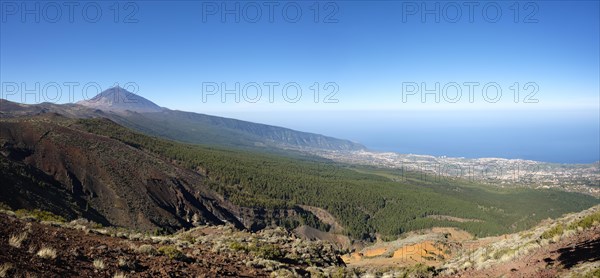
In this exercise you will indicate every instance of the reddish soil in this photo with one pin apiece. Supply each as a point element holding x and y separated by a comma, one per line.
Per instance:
<point>77,250</point>
<point>550,261</point>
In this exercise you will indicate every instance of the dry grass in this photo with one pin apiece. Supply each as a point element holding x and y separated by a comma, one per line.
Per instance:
<point>4,269</point>
<point>120,275</point>
<point>99,264</point>
<point>47,253</point>
<point>17,240</point>
<point>146,249</point>
<point>515,246</point>
<point>122,262</point>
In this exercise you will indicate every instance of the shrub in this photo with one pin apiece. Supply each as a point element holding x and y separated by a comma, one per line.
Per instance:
<point>47,253</point>
<point>586,222</point>
<point>16,240</point>
<point>120,275</point>
<point>282,273</point>
<point>269,252</point>
<point>4,269</point>
<point>554,231</point>
<point>4,206</point>
<point>504,253</point>
<point>238,246</point>
<point>122,263</point>
<point>466,265</point>
<point>421,270</point>
<point>99,264</point>
<point>593,273</point>
<point>171,252</point>
<point>40,215</point>
<point>338,272</point>
<point>189,238</point>
<point>160,232</point>
<point>146,249</point>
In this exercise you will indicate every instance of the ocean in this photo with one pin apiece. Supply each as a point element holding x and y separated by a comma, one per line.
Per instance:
<point>558,136</point>
<point>556,143</point>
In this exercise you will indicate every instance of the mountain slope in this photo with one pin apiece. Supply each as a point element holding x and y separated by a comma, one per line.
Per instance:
<point>127,186</point>
<point>82,249</point>
<point>564,247</point>
<point>58,164</point>
<point>136,112</point>
<point>205,129</point>
<point>25,187</point>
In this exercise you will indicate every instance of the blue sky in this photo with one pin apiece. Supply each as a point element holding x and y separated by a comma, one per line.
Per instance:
<point>367,49</point>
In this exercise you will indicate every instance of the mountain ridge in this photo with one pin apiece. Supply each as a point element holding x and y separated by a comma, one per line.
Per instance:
<point>119,100</point>
<point>145,116</point>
